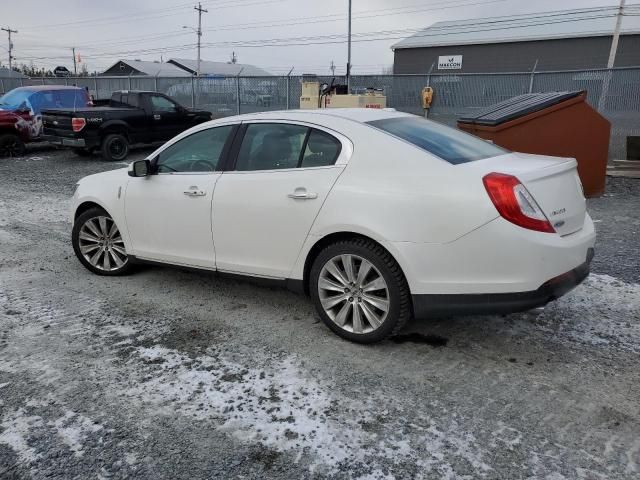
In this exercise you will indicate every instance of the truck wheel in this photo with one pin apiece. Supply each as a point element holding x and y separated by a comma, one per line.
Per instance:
<point>115,147</point>
<point>82,152</point>
<point>11,145</point>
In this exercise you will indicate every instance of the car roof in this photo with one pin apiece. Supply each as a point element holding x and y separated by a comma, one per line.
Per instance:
<point>39,88</point>
<point>360,115</point>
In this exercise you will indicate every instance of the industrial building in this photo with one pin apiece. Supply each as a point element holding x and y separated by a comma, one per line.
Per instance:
<point>565,40</point>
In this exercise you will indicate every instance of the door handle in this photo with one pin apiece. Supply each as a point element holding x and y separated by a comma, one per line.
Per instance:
<point>157,117</point>
<point>194,192</point>
<point>302,194</point>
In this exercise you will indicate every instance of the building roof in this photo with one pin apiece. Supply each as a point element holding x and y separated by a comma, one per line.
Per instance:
<point>152,68</point>
<point>6,73</point>
<point>577,23</point>
<point>219,68</point>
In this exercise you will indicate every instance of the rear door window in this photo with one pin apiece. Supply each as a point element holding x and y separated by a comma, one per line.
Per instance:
<point>447,143</point>
<point>321,150</point>
<point>271,146</point>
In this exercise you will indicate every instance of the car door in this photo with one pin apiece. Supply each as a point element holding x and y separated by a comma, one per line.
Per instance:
<point>168,213</point>
<point>265,205</point>
<point>167,117</point>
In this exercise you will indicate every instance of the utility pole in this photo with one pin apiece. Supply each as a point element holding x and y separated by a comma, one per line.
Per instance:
<point>349,53</point>
<point>75,68</point>
<point>602,101</point>
<point>333,69</point>
<point>616,36</point>
<point>200,12</point>
<point>9,31</point>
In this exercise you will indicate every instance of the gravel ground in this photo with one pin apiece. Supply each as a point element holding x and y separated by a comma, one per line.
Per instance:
<point>181,375</point>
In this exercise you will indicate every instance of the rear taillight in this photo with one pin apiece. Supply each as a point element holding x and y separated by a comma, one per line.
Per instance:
<point>514,202</point>
<point>78,124</point>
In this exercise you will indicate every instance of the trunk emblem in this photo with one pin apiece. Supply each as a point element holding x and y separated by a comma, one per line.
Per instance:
<point>558,212</point>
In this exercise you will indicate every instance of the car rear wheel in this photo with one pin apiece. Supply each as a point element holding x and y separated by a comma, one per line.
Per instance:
<point>98,243</point>
<point>115,147</point>
<point>11,145</point>
<point>360,291</point>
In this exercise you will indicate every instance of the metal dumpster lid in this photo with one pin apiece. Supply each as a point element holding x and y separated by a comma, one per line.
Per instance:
<point>516,107</point>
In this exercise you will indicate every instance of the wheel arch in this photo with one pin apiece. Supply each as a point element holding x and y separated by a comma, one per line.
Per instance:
<point>329,239</point>
<point>114,126</point>
<point>87,205</point>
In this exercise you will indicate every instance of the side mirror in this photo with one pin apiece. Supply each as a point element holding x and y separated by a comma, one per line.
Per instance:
<point>140,168</point>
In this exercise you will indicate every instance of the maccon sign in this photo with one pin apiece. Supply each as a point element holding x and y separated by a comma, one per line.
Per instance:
<point>450,62</point>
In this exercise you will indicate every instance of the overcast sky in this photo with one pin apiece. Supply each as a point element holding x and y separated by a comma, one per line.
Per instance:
<point>105,31</point>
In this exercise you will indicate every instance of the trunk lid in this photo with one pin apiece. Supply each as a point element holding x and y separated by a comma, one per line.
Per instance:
<point>553,182</point>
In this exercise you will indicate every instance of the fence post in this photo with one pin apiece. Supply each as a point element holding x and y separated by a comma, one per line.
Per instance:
<point>289,86</point>
<point>604,93</point>
<point>288,90</point>
<point>155,84</point>
<point>95,84</point>
<point>21,82</point>
<point>193,92</point>
<point>533,75</point>
<point>129,82</point>
<point>1,85</point>
<point>42,80</point>
<point>237,95</point>
<point>66,83</point>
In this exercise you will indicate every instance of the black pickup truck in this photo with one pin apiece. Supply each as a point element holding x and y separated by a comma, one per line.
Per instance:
<point>131,117</point>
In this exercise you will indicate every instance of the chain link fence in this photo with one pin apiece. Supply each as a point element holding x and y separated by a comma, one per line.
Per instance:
<point>615,93</point>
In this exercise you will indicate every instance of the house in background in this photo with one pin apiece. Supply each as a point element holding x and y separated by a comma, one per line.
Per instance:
<point>126,68</point>
<point>566,40</point>
<point>180,67</point>
<point>218,68</point>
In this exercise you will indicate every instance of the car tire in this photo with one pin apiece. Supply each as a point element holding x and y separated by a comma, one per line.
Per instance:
<point>82,152</point>
<point>364,303</point>
<point>11,146</point>
<point>97,245</point>
<point>115,147</point>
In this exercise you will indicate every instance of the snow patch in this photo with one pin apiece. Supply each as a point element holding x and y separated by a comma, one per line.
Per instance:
<point>280,407</point>
<point>16,427</point>
<point>73,429</point>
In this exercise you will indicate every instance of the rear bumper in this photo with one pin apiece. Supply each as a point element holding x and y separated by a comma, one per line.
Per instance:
<point>432,305</point>
<point>65,141</point>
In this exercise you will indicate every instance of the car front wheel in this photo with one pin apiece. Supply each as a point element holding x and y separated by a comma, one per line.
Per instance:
<point>360,291</point>
<point>98,243</point>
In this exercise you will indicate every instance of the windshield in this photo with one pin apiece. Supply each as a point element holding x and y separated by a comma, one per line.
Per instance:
<point>445,142</point>
<point>43,99</point>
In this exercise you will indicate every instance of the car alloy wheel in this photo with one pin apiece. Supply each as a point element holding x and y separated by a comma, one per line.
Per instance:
<point>353,294</point>
<point>101,244</point>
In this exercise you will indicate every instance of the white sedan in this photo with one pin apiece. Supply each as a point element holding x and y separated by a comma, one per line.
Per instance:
<point>378,215</point>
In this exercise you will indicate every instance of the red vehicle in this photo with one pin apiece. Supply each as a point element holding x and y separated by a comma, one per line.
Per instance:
<point>21,113</point>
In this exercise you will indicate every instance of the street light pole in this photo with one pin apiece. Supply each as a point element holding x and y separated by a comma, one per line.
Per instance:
<point>9,31</point>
